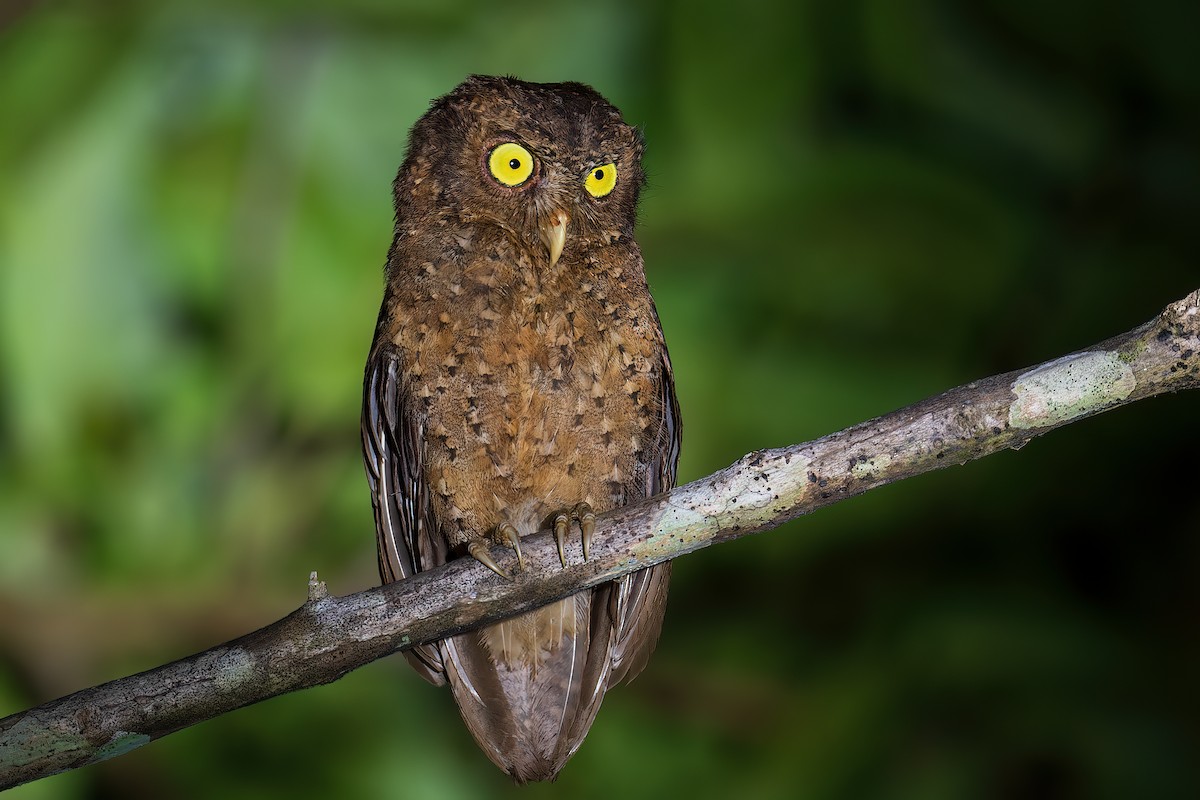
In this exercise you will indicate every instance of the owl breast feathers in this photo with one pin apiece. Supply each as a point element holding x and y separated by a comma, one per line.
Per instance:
<point>518,380</point>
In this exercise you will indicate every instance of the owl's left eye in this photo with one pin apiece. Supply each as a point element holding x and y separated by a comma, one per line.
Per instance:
<point>510,164</point>
<point>601,180</point>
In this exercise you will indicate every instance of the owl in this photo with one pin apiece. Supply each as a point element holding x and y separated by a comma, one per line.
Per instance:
<point>518,380</point>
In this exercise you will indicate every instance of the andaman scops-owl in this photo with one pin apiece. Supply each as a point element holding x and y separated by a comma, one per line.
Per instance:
<point>518,380</point>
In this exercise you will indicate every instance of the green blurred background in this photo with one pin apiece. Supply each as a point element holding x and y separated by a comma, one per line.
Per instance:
<point>852,206</point>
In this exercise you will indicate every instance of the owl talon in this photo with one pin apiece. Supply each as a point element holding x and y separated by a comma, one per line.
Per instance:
<point>562,521</point>
<point>587,525</point>
<point>478,550</point>
<point>581,513</point>
<point>508,534</point>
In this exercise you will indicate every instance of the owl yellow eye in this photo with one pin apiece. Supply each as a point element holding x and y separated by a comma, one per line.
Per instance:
<point>601,180</point>
<point>510,163</point>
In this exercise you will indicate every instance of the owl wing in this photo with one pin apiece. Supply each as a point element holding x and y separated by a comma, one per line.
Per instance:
<point>640,599</point>
<point>404,526</point>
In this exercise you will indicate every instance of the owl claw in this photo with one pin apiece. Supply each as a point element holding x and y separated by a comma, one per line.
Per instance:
<point>581,513</point>
<point>478,550</point>
<point>509,535</point>
<point>587,525</point>
<point>562,521</point>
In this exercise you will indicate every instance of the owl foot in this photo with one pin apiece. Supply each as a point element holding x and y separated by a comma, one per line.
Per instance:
<point>581,513</point>
<point>507,533</point>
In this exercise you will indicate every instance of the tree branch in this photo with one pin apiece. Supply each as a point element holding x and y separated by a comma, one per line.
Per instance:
<point>329,636</point>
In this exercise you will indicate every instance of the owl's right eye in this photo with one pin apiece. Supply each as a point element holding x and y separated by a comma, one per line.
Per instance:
<point>510,164</point>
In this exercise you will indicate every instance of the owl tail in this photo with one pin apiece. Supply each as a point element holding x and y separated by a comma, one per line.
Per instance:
<point>529,688</point>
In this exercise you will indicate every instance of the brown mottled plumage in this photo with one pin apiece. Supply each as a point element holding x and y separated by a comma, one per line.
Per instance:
<point>515,373</point>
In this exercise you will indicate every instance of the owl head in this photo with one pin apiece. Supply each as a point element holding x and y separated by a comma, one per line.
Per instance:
<point>553,165</point>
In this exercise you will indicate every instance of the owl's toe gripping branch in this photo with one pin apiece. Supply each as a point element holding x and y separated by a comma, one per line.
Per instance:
<point>581,513</point>
<point>508,534</point>
<point>478,549</point>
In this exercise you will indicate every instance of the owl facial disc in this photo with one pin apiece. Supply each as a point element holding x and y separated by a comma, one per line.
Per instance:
<point>553,233</point>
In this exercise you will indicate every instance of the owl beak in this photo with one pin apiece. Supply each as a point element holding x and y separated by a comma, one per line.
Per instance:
<point>554,234</point>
